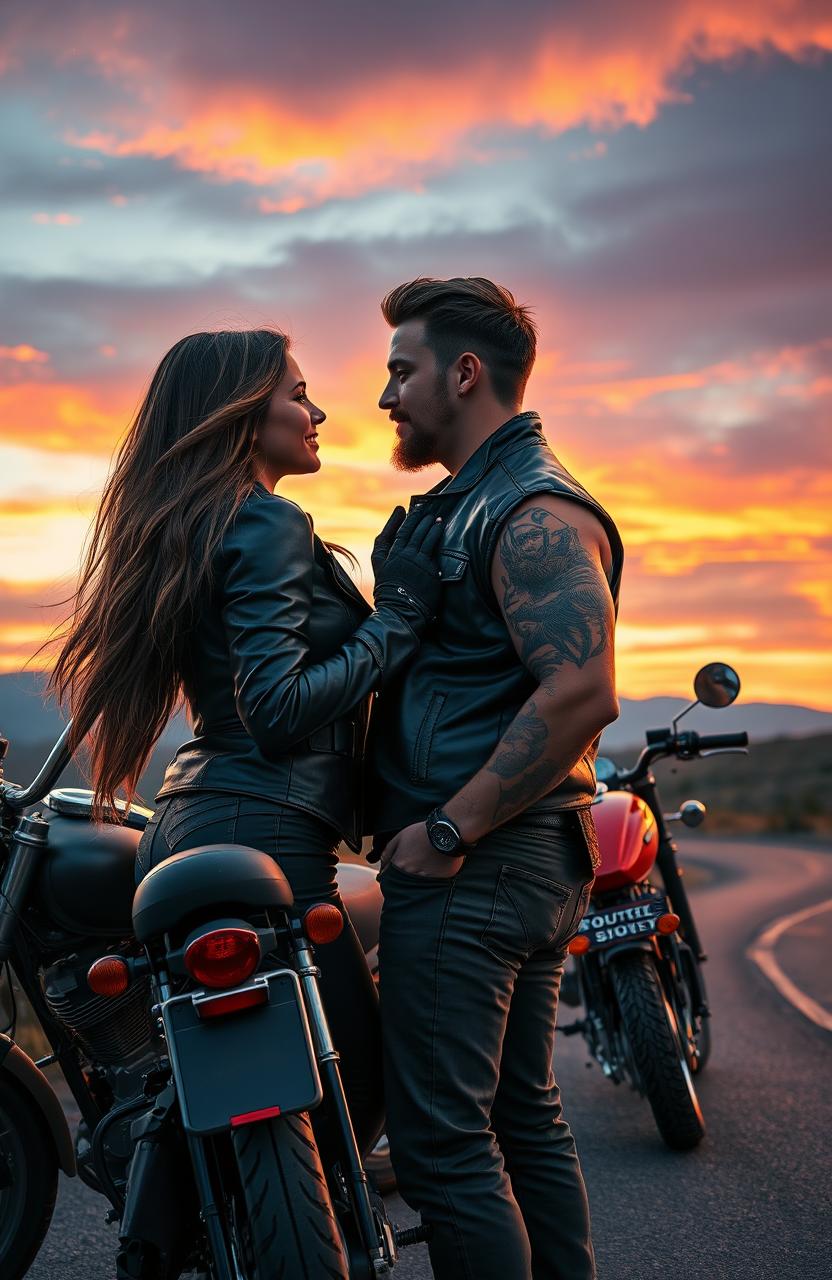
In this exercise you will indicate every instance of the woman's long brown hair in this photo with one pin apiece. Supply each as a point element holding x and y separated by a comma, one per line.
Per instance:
<point>181,473</point>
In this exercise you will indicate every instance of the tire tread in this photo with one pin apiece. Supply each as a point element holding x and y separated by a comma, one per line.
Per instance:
<point>292,1223</point>
<point>656,1050</point>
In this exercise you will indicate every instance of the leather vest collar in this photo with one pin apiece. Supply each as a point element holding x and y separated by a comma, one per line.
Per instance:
<point>514,434</point>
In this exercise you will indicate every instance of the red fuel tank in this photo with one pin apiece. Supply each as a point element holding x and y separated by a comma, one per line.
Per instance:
<point>628,838</point>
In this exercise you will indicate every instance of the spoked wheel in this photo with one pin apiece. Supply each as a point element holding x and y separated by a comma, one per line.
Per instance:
<point>28,1179</point>
<point>657,1051</point>
<point>286,1226</point>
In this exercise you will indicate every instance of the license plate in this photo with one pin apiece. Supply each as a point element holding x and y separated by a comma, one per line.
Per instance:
<point>252,1063</point>
<point>608,925</point>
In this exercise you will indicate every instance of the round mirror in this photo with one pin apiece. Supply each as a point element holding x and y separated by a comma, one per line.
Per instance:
<point>716,685</point>
<point>606,770</point>
<point>692,813</point>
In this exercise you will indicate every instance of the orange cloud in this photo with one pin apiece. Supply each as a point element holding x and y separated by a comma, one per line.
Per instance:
<point>24,354</point>
<point>398,127</point>
<point>62,416</point>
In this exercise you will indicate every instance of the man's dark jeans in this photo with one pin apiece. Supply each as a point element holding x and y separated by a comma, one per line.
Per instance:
<point>470,971</point>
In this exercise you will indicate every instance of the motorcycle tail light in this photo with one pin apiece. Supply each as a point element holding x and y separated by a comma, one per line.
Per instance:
<point>223,957</point>
<point>668,923</point>
<point>579,945</point>
<point>108,976</point>
<point>219,1006</point>
<point>323,923</point>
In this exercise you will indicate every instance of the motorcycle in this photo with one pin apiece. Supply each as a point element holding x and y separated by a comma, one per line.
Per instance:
<point>638,955</point>
<point>186,1018</point>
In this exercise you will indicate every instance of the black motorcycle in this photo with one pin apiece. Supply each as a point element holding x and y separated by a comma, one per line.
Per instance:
<point>187,1020</point>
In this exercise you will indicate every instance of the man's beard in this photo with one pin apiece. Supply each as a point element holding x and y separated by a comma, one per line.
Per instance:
<point>419,448</point>
<point>415,450</point>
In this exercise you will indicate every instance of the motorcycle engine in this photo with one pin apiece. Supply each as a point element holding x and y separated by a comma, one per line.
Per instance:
<point>110,1029</point>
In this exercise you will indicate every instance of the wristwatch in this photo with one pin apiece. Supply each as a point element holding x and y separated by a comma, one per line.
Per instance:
<point>445,836</point>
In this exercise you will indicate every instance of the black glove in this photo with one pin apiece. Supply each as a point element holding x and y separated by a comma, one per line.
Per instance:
<point>384,541</point>
<point>409,576</point>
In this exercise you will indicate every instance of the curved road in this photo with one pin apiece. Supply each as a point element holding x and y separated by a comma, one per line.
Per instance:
<point>753,1200</point>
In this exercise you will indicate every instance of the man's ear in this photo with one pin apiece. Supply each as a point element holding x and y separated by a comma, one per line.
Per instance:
<point>467,371</point>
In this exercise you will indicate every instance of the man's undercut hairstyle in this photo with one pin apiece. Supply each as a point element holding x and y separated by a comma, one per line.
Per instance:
<point>471,314</point>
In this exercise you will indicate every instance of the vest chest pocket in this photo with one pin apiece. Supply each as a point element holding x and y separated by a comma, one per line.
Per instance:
<point>453,563</point>
<point>421,748</point>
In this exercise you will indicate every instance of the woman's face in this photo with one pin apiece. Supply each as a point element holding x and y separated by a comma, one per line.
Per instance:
<point>288,439</point>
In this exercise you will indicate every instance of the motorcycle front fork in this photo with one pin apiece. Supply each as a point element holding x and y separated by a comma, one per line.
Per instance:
<point>681,981</point>
<point>376,1235</point>
<point>669,868</point>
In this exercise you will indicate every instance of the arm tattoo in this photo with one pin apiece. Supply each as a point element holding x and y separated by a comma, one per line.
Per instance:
<point>554,598</point>
<point>518,753</point>
<point>523,792</point>
<point>557,603</point>
<point>522,743</point>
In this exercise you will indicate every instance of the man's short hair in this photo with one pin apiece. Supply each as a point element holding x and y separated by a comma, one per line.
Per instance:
<point>471,314</point>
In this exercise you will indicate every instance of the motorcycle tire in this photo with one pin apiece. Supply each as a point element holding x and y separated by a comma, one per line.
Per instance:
<point>28,1179</point>
<point>656,1049</point>
<point>290,1222</point>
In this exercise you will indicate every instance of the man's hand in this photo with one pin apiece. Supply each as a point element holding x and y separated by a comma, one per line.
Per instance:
<point>413,853</point>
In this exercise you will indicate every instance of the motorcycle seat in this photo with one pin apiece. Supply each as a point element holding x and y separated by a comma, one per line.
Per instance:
<point>225,876</point>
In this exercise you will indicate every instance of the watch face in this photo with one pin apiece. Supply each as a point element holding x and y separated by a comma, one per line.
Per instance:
<point>443,836</point>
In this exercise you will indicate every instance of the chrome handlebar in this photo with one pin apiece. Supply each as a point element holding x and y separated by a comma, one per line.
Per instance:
<point>17,798</point>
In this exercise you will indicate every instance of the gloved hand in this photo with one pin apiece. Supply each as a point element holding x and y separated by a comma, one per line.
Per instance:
<point>385,540</point>
<point>408,577</point>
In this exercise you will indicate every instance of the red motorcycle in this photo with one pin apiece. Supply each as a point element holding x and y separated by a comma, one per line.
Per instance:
<point>638,954</point>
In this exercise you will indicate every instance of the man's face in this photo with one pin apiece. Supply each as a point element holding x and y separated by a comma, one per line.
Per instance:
<point>416,397</point>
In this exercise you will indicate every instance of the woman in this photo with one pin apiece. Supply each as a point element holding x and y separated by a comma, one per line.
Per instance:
<point>201,583</point>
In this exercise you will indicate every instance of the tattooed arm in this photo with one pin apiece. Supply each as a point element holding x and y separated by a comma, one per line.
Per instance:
<point>549,575</point>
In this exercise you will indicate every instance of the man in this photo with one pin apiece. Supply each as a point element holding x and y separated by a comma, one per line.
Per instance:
<point>481,775</point>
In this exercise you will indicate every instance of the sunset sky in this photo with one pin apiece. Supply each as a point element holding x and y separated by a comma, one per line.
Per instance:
<point>653,179</point>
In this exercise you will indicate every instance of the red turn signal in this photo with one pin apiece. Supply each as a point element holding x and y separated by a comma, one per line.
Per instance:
<point>223,957</point>
<point>108,976</point>
<point>323,923</point>
<point>668,923</point>
<point>579,944</point>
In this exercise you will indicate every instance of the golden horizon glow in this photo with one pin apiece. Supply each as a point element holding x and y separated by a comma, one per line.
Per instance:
<point>686,382</point>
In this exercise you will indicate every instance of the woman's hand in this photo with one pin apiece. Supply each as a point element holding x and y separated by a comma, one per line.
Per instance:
<point>385,540</point>
<point>409,575</point>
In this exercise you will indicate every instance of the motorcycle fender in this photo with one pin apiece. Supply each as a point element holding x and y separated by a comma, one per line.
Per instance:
<point>637,944</point>
<point>31,1078</point>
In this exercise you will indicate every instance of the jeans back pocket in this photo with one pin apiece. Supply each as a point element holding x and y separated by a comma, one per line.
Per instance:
<point>526,915</point>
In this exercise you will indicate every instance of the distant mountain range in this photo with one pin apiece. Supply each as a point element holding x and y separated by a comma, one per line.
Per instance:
<point>761,720</point>
<point>27,720</point>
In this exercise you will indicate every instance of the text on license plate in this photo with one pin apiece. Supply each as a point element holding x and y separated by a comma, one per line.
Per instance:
<point>608,925</point>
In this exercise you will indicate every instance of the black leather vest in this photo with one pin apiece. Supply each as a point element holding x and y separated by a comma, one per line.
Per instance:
<point>436,726</point>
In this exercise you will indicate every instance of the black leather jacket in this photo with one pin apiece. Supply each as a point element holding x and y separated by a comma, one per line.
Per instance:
<point>280,666</point>
<point>437,723</point>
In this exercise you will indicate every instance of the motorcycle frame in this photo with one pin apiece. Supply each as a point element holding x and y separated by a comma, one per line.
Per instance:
<point>18,865</point>
<point>375,1239</point>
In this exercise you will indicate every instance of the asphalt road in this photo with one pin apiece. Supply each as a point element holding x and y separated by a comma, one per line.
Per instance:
<point>753,1201</point>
